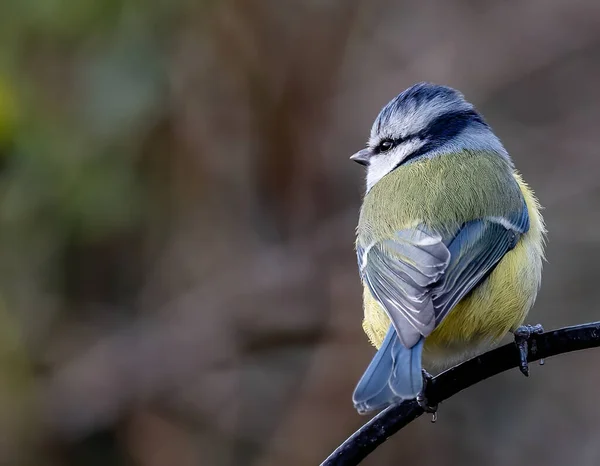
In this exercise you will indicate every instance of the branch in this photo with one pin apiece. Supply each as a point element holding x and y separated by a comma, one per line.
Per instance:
<point>360,444</point>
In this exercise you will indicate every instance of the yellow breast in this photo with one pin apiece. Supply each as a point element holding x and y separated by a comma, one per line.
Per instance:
<point>497,306</point>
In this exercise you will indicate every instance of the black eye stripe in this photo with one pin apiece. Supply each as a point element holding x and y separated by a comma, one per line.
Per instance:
<point>449,125</point>
<point>395,142</point>
<point>441,130</point>
<point>388,144</point>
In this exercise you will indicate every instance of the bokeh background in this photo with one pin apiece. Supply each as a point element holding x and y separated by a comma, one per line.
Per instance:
<point>177,277</point>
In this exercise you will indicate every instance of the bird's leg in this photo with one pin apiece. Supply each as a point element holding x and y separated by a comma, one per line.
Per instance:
<point>422,398</point>
<point>522,335</point>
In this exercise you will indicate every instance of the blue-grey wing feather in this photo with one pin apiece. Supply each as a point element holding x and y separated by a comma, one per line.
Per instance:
<point>475,251</point>
<point>399,274</point>
<point>419,276</point>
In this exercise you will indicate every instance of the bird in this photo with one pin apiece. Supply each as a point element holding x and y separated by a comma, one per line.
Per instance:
<point>449,244</point>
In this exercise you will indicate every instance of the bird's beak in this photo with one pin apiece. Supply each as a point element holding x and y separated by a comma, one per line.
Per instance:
<point>362,157</point>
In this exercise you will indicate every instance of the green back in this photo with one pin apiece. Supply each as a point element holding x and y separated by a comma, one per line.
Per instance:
<point>442,193</point>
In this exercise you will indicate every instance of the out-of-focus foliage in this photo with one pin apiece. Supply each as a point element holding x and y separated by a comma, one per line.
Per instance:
<point>177,280</point>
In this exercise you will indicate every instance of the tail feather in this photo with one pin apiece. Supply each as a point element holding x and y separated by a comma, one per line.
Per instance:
<point>393,375</point>
<point>406,379</point>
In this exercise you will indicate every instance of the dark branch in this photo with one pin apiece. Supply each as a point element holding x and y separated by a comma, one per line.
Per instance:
<point>391,420</point>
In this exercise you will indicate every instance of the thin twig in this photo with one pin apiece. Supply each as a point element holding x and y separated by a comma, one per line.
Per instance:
<point>360,444</point>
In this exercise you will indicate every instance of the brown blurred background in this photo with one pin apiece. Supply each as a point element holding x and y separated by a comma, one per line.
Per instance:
<point>177,277</point>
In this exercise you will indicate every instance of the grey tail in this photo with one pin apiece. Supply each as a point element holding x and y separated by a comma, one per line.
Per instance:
<point>393,375</point>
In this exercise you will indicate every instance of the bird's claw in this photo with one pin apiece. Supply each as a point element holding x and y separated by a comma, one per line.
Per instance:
<point>422,400</point>
<point>522,335</point>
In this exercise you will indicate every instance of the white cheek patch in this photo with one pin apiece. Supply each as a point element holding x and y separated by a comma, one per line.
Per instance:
<point>382,164</point>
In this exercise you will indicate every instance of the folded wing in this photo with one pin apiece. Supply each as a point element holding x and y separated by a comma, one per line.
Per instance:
<point>419,275</point>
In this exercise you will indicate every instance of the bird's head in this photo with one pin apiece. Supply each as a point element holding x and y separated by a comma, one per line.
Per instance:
<point>424,121</point>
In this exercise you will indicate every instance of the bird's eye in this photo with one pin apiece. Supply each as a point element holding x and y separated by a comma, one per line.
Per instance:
<point>385,145</point>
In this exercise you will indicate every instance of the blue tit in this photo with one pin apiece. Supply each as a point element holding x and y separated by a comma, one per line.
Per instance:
<point>450,241</point>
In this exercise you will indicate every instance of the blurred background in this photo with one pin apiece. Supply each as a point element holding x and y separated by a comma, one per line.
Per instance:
<point>177,277</point>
